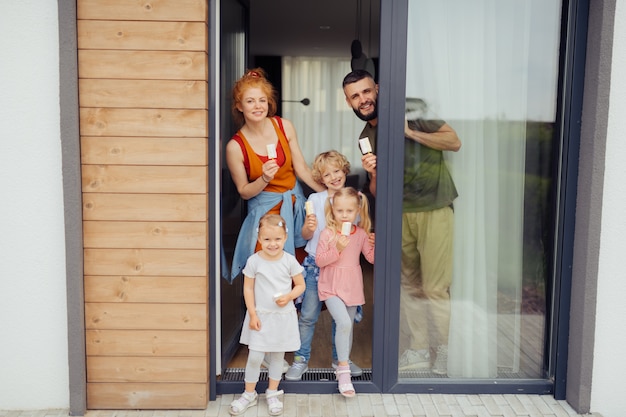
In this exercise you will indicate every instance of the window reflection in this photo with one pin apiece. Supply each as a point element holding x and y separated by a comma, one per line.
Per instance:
<point>489,70</point>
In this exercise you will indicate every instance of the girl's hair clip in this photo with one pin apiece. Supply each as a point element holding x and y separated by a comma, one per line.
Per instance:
<point>280,224</point>
<point>253,74</point>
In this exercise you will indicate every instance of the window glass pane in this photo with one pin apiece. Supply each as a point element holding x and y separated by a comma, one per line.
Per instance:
<point>475,273</point>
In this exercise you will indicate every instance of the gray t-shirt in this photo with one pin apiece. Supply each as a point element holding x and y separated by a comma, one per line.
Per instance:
<point>428,184</point>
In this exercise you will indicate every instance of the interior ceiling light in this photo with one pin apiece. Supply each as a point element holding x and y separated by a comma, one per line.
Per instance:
<point>359,58</point>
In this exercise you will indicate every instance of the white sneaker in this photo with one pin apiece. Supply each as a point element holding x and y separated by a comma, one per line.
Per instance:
<point>412,360</point>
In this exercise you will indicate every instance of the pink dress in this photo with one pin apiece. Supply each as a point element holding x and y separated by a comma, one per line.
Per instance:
<point>341,274</point>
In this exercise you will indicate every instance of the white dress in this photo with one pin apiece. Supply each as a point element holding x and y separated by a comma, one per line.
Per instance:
<point>279,325</point>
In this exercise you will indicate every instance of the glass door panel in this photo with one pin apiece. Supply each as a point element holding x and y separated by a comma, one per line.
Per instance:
<point>476,268</point>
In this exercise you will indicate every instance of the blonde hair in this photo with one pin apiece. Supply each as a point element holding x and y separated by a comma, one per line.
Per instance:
<point>254,78</point>
<point>270,219</point>
<point>365,221</point>
<point>326,159</point>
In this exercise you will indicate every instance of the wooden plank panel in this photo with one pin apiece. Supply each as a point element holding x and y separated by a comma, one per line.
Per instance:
<point>143,151</point>
<point>143,65</point>
<point>144,179</point>
<point>142,369</point>
<point>178,10</point>
<point>143,122</point>
<point>160,396</point>
<point>153,94</point>
<point>138,35</point>
<point>148,207</point>
<point>171,235</point>
<point>132,289</point>
<point>146,262</point>
<point>141,316</point>
<point>146,342</point>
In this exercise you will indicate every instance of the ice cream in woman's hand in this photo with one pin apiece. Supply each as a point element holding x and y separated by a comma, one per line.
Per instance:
<point>271,151</point>
<point>308,206</point>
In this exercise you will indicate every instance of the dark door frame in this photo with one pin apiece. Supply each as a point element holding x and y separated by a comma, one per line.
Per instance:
<point>392,67</point>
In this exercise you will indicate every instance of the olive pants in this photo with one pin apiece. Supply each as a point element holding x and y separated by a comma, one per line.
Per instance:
<point>426,275</point>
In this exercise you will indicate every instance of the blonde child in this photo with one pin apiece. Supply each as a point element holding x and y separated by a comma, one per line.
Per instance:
<point>329,169</point>
<point>271,322</point>
<point>340,283</point>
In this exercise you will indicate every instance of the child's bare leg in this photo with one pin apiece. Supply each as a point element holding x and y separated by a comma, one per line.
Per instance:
<point>272,385</point>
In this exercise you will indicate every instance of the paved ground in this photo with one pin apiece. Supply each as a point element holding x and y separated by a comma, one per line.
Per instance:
<point>372,405</point>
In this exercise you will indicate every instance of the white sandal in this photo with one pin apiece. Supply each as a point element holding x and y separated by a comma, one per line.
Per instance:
<point>344,383</point>
<point>274,405</point>
<point>241,404</point>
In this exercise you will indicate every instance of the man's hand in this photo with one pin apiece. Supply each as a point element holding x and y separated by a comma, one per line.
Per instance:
<point>369,163</point>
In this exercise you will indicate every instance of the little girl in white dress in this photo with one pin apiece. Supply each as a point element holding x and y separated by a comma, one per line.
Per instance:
<point>272,280</point>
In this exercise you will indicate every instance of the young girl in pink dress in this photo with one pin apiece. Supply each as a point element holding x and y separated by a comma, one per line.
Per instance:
<point>340,283</point>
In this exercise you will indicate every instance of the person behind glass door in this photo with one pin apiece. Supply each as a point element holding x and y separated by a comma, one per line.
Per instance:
<point>272,280</point>
<point>330,169</point>
<point>265,161</point>
<point>340,284</point>
<point>427,224</point>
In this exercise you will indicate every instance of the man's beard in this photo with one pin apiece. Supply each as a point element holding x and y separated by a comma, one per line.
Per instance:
<point>367,117</point>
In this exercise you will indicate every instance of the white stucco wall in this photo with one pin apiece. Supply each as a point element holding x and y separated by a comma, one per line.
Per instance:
<point>609,358</point>
<point>33,322</point>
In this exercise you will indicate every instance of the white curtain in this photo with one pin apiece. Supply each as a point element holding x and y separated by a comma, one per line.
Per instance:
<point>327,122</point>
<point>469,60</point>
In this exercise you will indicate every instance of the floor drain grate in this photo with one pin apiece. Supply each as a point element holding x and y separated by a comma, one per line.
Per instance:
<point>313,374</point>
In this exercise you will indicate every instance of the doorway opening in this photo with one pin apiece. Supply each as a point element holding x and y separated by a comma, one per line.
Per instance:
<point>306,58</point>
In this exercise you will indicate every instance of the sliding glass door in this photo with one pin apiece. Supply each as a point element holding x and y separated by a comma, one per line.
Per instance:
<point>465,290</point>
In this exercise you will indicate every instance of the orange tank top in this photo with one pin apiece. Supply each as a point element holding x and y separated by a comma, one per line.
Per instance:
<point>285,178</point>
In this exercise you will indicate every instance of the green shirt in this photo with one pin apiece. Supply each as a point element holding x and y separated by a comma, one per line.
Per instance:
<point>428,184</point>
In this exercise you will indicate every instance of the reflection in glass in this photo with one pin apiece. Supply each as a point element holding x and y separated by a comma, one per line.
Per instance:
<point>489,69</point>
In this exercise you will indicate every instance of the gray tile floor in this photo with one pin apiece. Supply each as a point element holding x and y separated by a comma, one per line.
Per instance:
<point>373,405</point>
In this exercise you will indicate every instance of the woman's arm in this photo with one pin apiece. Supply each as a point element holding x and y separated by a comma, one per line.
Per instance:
<point>234,160</point>
<point>303,171</point>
